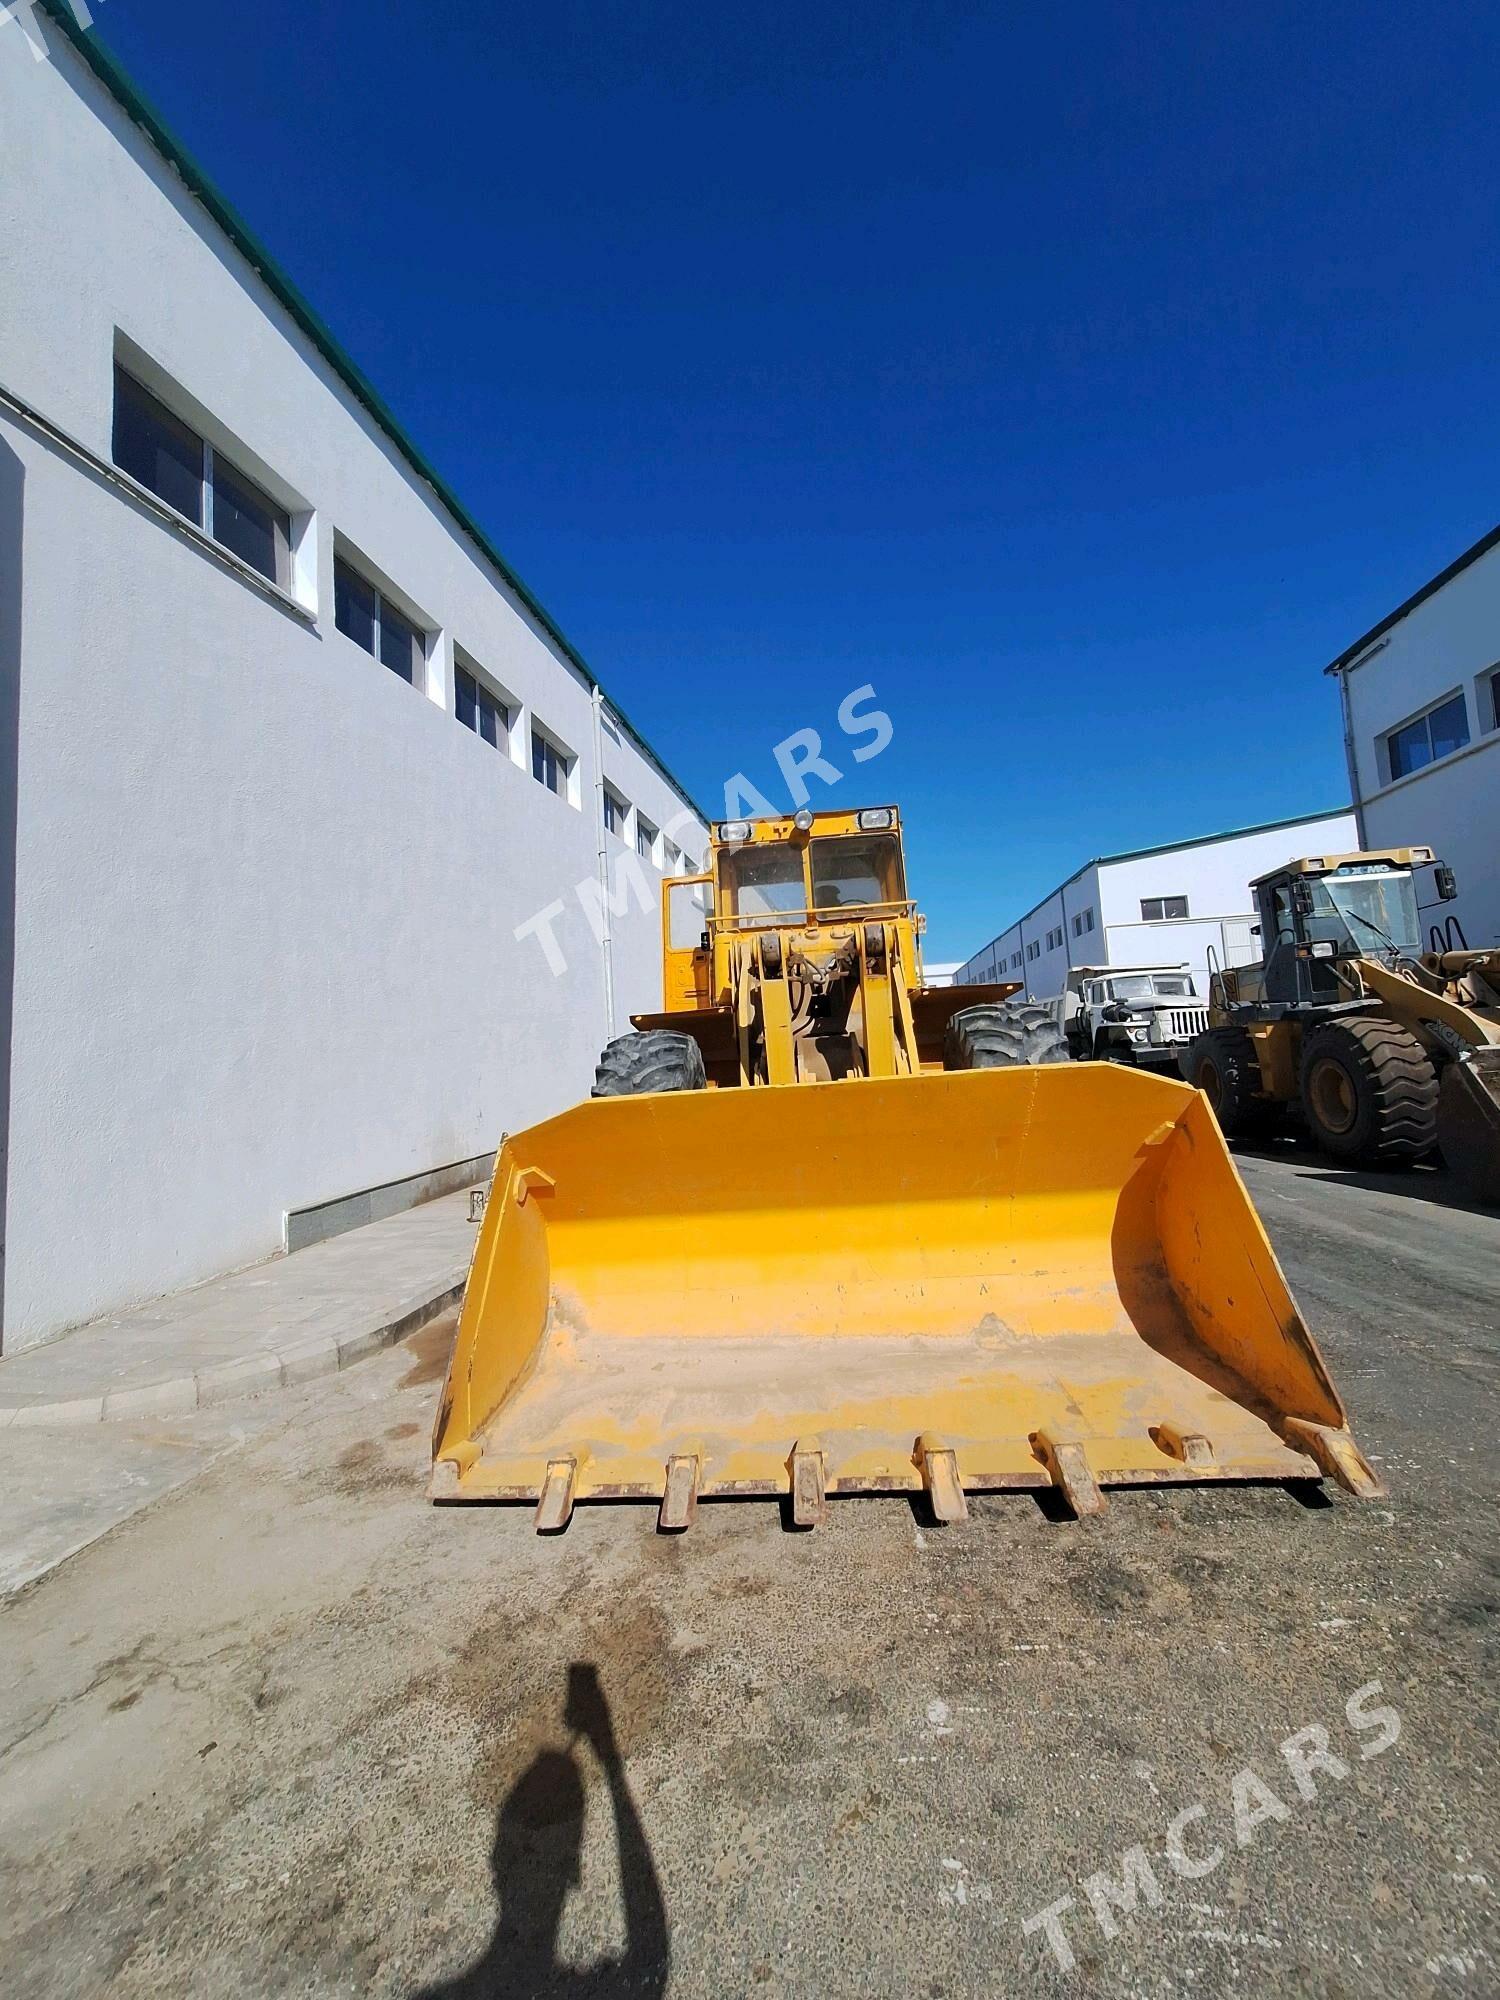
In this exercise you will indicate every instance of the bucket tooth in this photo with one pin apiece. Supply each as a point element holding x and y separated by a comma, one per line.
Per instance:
<point>679,1502</point>
<point>939,1468</point>
<point>1068,1463</point>
<point>443,1484</point>
<point>809,1484</point>
<point>1337,1456</point>
<point>555,1508</point>
<point>1188,1447</point>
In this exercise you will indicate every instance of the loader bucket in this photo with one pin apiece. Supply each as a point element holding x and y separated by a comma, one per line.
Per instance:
<point>1469,1121</point>
<point>988,1279</point>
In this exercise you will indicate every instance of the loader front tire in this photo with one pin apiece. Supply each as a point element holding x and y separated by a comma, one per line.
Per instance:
<point>1369,1093</point>
<point>1009,1035</point>
<point>656,1059</point>
<point>1221,1063</point>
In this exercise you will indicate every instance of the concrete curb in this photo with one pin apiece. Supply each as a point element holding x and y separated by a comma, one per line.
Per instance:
<point>284,1368</point>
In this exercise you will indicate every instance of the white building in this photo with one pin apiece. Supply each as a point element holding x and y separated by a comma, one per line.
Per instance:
<point>290,755</point>
<point>1421,699</point>
<point>1157,906</point>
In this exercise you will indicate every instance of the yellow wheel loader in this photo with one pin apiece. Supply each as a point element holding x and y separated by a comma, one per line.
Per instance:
<point>824,1229</point>
<point>1382,1050</point>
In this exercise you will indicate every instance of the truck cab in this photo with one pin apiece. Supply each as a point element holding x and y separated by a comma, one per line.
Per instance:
<point>1143,1015</point>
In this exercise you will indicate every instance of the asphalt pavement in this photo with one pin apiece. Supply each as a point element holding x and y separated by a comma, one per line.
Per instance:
<point>291,1730</point>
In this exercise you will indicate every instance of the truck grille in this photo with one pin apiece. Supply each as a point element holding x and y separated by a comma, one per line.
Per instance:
<point>1185,1022</point>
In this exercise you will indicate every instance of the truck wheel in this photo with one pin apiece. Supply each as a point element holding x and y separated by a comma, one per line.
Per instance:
<point>1221,1063</point>
<point>634,1065</point>
<point>1003,1036</point>
<point>1369,1093</point>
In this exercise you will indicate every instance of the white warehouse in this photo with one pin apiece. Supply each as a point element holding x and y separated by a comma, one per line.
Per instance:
<point>305,795</point>
<point>1421,699</point>
<point>1168,905</point>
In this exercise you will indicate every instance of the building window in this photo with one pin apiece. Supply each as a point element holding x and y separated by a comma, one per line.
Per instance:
<point>170,459</point>
<point>1015,961</point>
<point>645,838</point>
<point>477,709</point>
<point>245,521</point>
<point>363,615</point>
<point>1163,909</point>
<point>1054,938</point>
<point>671,856</point>
<point>1083,923</point>
<point>1438,733</point>
<point>615,813</point>
<point>1033,950</point>
<point>549,765</point>
<point>1489,699</point>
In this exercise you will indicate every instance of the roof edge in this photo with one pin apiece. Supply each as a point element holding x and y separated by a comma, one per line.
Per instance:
<point>109,71</point>
<point>1213,839</point>
<point>1347,659</point>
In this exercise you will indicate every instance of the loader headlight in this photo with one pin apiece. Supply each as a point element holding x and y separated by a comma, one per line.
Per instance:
<point>803,820</point>
<point>735,829</point>
<point>875,819</point>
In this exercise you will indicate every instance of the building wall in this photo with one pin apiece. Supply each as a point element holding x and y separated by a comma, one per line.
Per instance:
<point>266,893</point>
<point>1212,874</point>
<point>1449,644</point>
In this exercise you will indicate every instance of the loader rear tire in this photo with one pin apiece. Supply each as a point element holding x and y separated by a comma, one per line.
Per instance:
<point>636,1065</point>
<point>1008,1035</point>
<point>1221,1063</point>
<point>1369,1093</point>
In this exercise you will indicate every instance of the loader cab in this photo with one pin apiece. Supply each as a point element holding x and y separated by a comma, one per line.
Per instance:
<point>1315,915</point>
<point>809,870</point>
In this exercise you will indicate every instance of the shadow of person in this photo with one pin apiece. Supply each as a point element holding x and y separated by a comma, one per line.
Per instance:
<point>536,1864</point>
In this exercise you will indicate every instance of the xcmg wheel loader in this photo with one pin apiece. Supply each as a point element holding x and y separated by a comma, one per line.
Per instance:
<point>1383,1051</point>
<point>824,1229</point>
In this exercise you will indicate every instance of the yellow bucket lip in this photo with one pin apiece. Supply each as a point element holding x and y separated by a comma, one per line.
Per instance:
<point>993,1258</point>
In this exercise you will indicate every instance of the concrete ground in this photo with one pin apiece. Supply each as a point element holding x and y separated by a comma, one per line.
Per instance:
<point>293,1731</point>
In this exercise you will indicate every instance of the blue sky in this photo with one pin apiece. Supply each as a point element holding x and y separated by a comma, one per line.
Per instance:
<point>1083,378</point>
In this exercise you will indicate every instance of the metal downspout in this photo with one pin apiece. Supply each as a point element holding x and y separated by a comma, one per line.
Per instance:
<point>1350,759</point>
<point>606,908</point>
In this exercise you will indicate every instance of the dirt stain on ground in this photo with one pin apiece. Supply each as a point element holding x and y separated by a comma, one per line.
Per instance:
<point>365,1468</point>
<point>429,1350</point>
<point>514,1723</point>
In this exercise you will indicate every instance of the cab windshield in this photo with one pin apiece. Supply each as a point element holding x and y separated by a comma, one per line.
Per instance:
<point>763,882</point>
<point>1151,986</point>
<point>856,869</point>
<point>1371,911</point>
